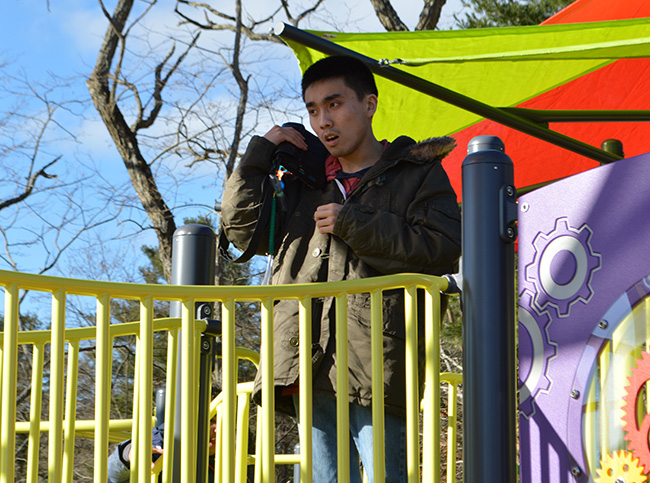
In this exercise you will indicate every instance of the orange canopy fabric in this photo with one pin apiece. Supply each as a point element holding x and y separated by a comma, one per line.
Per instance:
<point>624,84</point>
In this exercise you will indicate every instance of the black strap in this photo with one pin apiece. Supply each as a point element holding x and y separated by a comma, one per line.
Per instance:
<point>260,226</point>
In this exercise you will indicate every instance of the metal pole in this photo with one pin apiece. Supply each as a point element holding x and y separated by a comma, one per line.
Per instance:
<point>489,232</point>
<point>502,116</point>
<point>580,115</point>
<point>193,262</point>
<point>160,405</point>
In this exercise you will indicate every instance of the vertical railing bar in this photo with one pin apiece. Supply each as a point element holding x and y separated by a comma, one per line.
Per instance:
<point>429,440</point>
<point>102,386</point>
<point>57,348</point>
<point>432,313</point>
<point>170,404</point>
<point>243,408</point>
<point>452,380</point>
<point>377,350</point>
<point>202,460</point>
<point>412,409</point>
<point>218,457</point>
<point>259,427</point>
<point>72,378</point>
<point>145,392</point>
<point>452,405</point>
<point>229,369</point>
<point>342,384</point>
<point>135,420</point>
<point>188,400</point>
<point>268,392</point>
<point>305,394</point>
<point>36,401</point>
<point>9,383</point>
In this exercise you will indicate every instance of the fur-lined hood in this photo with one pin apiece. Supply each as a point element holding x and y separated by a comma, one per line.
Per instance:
<point>405,149</point>
<point>432,149</point>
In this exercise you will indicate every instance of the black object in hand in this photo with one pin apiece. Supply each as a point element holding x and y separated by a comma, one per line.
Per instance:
<point>308,166</point>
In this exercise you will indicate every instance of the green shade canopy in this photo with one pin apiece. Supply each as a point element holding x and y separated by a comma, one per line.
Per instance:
<point>501,67</point>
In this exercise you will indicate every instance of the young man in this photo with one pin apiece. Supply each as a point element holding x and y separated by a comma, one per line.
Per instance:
<point>386,208</point>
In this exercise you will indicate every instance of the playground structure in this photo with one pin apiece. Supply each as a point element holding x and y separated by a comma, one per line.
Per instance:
<point>582,339</point>
<point>232,406</point>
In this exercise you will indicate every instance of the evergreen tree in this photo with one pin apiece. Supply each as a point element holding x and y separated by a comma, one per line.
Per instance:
<point>505,13</point>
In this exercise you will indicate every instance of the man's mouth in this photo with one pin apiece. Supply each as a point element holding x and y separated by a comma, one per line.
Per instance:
<point>330,138</point>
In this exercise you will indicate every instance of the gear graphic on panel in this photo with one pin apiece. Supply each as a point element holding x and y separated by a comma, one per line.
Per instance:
<point>620,467</point>
<point>533,330</point>
<point>636,434</point>
<point>562,267</point>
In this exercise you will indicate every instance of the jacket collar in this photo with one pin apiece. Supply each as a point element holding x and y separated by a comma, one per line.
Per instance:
<point>406,150</point>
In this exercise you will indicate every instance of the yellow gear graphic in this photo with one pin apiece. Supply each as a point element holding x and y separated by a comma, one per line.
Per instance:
<point>620,467</point>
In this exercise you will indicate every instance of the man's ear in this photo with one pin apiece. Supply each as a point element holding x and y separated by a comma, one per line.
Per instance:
<point>371,103</point>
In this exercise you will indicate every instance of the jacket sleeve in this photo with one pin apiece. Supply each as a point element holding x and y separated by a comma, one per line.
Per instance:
<point>242,197</point>
<point>425,239</point>
<point>118,464</point>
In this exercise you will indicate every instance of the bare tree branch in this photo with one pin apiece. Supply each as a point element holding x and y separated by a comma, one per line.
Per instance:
<point>160,85</point>
<point>29,186</point>
<point>243,97</point>
<point>305,13</point>
<point>232,27</point>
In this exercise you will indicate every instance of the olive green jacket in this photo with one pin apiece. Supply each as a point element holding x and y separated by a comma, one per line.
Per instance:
<point>403,217</point>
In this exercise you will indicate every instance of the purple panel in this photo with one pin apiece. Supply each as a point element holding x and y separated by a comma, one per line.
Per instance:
<point>583,242</point>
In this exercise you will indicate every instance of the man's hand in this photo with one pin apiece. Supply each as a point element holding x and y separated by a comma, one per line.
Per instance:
<point>279,134</point>
<point>325,216</point>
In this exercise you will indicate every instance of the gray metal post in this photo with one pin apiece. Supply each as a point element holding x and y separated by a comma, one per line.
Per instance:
<point>193,262</point>
<point>489,232</point>
<point>160,406</point>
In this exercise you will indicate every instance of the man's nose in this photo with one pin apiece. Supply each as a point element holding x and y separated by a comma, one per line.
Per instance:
<point>325,120</point>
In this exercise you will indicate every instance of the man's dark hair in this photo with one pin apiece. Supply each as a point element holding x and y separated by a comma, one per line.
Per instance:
<point>355,74</point>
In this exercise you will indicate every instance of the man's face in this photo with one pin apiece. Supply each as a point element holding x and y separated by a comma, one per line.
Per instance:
<point>340,120</point>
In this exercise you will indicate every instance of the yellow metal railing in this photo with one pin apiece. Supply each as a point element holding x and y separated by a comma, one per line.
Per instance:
<point>232,407</point>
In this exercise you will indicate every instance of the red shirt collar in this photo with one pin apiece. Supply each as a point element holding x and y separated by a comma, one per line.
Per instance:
<point>333,165</point>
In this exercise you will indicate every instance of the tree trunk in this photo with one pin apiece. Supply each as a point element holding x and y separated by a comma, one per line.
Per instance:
<point>388,16</point>
<point>125,139</point>
<point>430,14</point>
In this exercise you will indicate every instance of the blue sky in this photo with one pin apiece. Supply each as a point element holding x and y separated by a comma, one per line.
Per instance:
<point>65,38</point>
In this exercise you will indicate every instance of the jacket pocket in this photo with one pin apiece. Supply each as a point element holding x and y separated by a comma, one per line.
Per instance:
<point>392,311</point>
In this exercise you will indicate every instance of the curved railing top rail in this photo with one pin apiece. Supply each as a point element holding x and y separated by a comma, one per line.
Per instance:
<point>47,283</point>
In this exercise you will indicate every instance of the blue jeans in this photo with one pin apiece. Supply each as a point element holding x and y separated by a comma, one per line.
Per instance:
<point>324,455</point>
